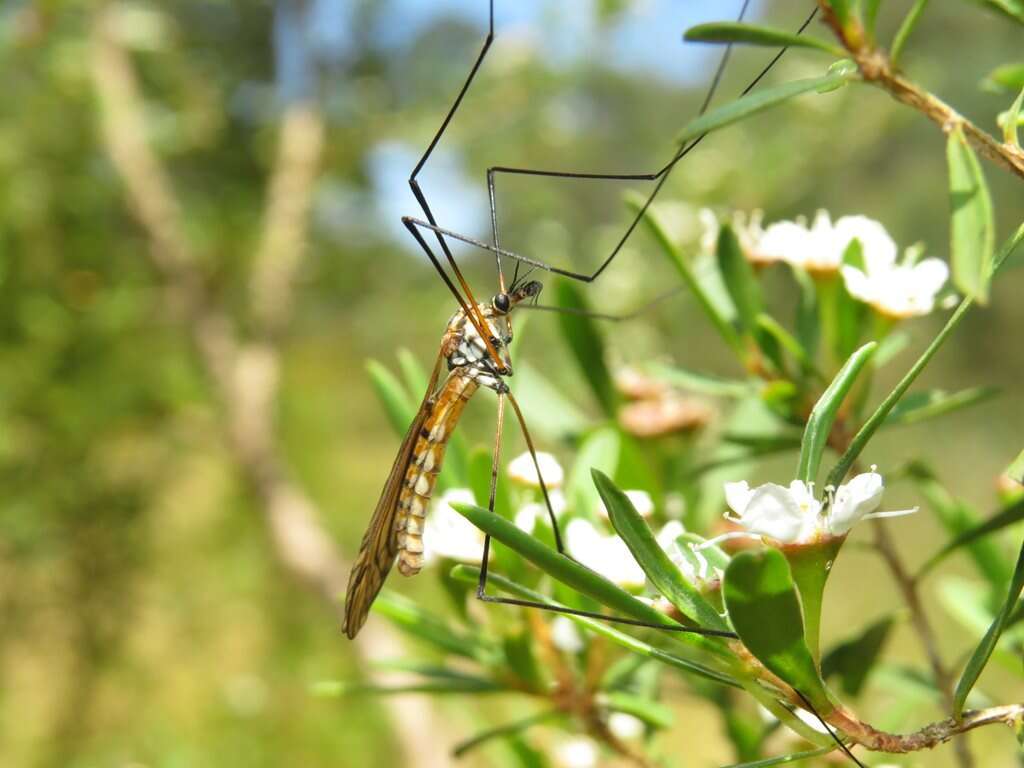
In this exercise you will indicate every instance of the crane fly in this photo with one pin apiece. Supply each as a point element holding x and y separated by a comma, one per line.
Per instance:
<point>474,360</point>
<point>475,349</point>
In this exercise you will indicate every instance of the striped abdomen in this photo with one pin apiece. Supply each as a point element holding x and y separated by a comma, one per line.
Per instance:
<point>424,467</point>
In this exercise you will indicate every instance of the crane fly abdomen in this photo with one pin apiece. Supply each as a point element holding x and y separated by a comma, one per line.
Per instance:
<point>424,466</point>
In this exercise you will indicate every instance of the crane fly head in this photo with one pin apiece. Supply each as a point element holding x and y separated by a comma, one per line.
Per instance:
<point>501,305</point>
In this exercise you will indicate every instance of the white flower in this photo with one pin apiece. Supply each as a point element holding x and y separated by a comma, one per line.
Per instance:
<point>529,514</point>
<point>641,501</point>
<point>695,574</point>
<point>579,752</point>
<point>792,515</point>
<point>523,471</point>
<point>446,533</point>
<point>746,227</point>
<point>625,726</point>
<point>565,635</point>
<point>820,247</point>
<point>608,555</point>
<point>899,290</point>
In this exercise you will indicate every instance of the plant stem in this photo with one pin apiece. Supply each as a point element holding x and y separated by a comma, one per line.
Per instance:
<point>876,68</point>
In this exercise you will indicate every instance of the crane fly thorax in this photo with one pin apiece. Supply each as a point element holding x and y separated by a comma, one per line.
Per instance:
<point>466,349</point>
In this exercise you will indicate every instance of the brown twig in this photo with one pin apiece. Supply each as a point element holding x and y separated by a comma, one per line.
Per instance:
<point>244,373</point>
<point>876,68</point>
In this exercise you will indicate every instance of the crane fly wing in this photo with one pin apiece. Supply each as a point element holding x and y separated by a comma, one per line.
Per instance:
<point>380,542</point>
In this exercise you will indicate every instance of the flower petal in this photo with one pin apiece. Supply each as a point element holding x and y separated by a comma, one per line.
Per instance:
<point>737,496</point>
<point>773,511</point>
<point>855,499</point>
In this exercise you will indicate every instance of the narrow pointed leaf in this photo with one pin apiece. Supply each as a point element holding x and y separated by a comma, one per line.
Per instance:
<point>854,659</point>
<point>1006,77</point>
<point>1012,121</point>
<point>660,570</point>
<point>648,710</point>
<point>877,418</point>
<point>796,757</point>
<point>470,574</point>
<point>769,325</point>
<point>434,687</point>
<point>1008,516</point>
<point>972,222</point>
<point>922,406</point>
<point>906,27</point>
<point>1016,470</point>
<point>823,415</point>
<point>504,731</point>
<point>715,313</point>
<point>1011,9</point>
<point>586,344</point>
<point>759,101</point>
<point>739,278</point>
<point>599,450</point>
<point>981,654</point>
<point>765,612</point>
<point>569,572</point>
<point>398,405</point>
<point>414,621</point>
<point>733,32</point>
<point>701,383</point>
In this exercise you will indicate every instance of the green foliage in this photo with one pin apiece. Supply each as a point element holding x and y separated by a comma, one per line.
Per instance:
<point>972,225</point>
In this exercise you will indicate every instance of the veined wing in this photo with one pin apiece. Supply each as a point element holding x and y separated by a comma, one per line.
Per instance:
<point>380,542</point>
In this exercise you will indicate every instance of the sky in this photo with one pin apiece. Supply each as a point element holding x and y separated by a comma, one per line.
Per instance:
<point>646,37</point>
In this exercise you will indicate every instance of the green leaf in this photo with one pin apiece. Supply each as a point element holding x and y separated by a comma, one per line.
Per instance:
<point>877,418</point>
<point>660,570</point>
<point>330,688</point>
<point>1007,77</point>
<point>759,101</point>
<point>414,376</point>
<point>522,660</point>
<point>1012,9</point>
<point>850,314</point>
<point>765,612</point>
<point>739,278</point>
<point>808,329</point>
<point>906,27</point>
<point>599,450</point>
<point>1016,469</point>
<point>651,712</point>
<point>416,622</point>
<point>471,574</point>
<point>1008,516</point>
<point>503,731</point>
<point>823,415</point>
<point>958,518</point>
<point>796,757</point>
<point>972,222</point>
<point>1013,120</point>
<point>853,659</point>
<point>548,410</point>
<point>570,572</point>
<point>587,345</point>
<point>701,383</point>
<point>769,325</point>
<point>715,313</point>
<point>984,650</point>
<point>732,32</point>
<point>922,406</point>
<point>398,405</point>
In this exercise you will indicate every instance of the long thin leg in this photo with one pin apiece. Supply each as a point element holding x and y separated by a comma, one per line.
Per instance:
<point>414,183</point>
<point>473,314</point>
<point>661,176</point>
<point>481,593</point>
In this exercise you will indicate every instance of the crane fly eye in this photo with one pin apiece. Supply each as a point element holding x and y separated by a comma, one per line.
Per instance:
<point>502,303</point>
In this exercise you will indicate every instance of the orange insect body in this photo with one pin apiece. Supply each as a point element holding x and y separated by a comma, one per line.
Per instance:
<point>396,529</point>
<point>427,457</point>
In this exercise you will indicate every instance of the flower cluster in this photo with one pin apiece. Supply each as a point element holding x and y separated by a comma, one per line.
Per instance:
<point>792,515</point>
<point>894,287</point>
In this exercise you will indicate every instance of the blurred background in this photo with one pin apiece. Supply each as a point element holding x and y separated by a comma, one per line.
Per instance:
<point>189,444</point>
